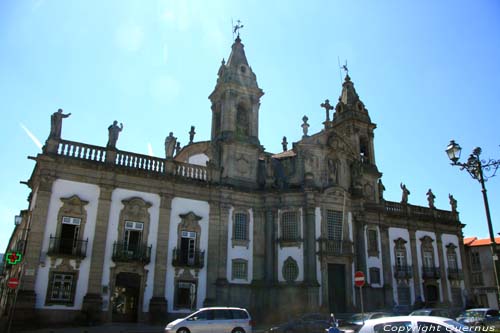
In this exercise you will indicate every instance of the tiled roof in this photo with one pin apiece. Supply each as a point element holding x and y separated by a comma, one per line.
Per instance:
<point>474,241</point>
<point>288,153</point>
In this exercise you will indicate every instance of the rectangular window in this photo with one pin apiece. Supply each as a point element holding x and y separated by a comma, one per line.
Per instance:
<point>334,221</point>
<point>452,260</point>
<point>61,288</point>
<point>374,275</point>
<point>428,259</point>
<point>372,241</point>
<point>188,247</point>
<point>289,226</point>
<point>401,258</point>
<point>240,269</point>
<point>475,261</point>
<point>240,226</point>
<point>133,236</point>
<point>185,295</point>
<point>71,220</point>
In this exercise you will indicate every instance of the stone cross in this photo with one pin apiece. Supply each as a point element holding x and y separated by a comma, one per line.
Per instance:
<point>191,135</point>
<point>284,143</point>
<point>305,126</point>
<point>326,105</point>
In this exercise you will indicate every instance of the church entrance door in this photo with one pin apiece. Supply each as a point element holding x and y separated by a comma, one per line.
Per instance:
<point>336,288</point>
<point>125,298</point>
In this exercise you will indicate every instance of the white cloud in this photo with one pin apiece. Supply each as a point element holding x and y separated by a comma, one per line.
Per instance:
<point>32,136</point>
<point>130,37</point>
<point>165,88</point>
<point>177,13</point>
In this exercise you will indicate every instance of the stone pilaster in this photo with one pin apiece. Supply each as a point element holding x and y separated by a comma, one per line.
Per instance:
<point>444,277</point>
<point>158,303</point>
<point>92,302</point>
<point>310,241</point>
<point>465,265</point>
<point>359,236</point>
<point>25,304</point>
<point>414,265</point>
<point>271,273</point>
<point>386,265</point>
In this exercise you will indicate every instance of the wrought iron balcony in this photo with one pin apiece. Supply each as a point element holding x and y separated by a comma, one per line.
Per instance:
<point>193,259</point>
<point>123,252</point>
<point>403,272</point>
<point>335,247</point>
<point>67,247</point>
<point>431,272</point>
<point>455,274</point>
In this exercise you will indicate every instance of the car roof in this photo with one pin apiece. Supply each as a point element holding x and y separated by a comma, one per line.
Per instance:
<point>406,318</point>
<point>480,309</point>
<point>222,308</point>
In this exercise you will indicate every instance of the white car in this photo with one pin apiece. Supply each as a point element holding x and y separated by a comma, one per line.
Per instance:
<point>413,324</point>
<point>213,320</point>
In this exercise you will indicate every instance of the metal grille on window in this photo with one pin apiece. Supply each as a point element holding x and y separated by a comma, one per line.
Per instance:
<point>372,241</point>
<point>289,226</point>
<point>452,260</point>
<point>239,269</point>
<point>374,275</point>
<point>62,287</point>
<point>334,230</point>
<point>290,270</point>
<point>240,226</point>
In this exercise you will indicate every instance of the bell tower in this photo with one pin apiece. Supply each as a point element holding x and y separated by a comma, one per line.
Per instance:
<point>235,119</point>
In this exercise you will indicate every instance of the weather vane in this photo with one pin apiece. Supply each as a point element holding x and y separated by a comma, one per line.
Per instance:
<point>236,28</point>
<point>345,69</point>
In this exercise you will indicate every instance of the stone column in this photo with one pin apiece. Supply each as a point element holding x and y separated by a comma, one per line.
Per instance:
<point>26,298</point>
<point>442,268</point>
<point>386,265</point>
<point>359,236</point>
<point>310,241</point>
<point>158,303</point>
<point>92,302</point>
<point>270,245</point>
<point>414,264</point>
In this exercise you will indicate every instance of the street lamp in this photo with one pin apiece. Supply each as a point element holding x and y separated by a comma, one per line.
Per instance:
<point>477,168</point>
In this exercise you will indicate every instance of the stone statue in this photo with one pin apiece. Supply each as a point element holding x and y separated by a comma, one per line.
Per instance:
<point>191,135</point>
<point>56,123</point>
<point>305,127</point>
<point>284,143</point>
<point>170,142</point>
<point>333,171</point>
<point>453,203</point>
<point>113,132</point>
<point>381,189</point>
<point>430,198</point>
<point>177,148</point>
<point>406,193</point>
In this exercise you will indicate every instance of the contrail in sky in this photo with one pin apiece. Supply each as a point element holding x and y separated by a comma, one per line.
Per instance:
<point>150,149</point>
<point>32,136</point>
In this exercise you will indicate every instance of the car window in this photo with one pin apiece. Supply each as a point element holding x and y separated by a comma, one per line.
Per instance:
<point>426,327</point>
<point>378,315</point>
<point>222,314</point>
<point>394,327</point>
<point>493,313</point>
<point>202,315</point>
<point>239,314</point>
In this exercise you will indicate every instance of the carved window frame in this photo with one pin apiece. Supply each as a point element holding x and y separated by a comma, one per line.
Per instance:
<point>427,251</point>
<point>451,256</point>
<point>236,262</point>
<point>375,275</point>
<point>239,241</point>
<point>294,240</point>
<point>73,207</point>
<point>176,304</point>
<point>290,270</point>
<point>400,247</point>
<point>134,209</point>
<point>190,223</point>
<point>64,268</point>
<point>372,244</point>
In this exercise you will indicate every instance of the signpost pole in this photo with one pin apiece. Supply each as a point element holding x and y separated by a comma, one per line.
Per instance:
<point>362,306</point>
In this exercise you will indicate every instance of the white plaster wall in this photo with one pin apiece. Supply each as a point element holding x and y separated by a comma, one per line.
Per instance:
<point>114,218</point>
<point>202,209</point>
<point>65,189</point>
<point>418,235</point>
<point>239,252</point>
<point>296,252</point>
<point>374,261</point>
<point>317,227</point>
<point>447,239</point>
<point>198,159</point>
<point>395,233</point>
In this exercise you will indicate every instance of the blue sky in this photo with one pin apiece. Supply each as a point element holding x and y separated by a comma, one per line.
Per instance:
<point>428,71</point>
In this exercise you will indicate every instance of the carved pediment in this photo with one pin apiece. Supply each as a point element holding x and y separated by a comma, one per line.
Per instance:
<point>73,206</point>
<point>136,209</point>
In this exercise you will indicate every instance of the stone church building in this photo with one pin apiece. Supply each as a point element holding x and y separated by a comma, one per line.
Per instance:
<point>119,236</point>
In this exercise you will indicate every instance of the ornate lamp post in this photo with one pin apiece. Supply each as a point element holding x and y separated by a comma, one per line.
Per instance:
<point>477,168</point>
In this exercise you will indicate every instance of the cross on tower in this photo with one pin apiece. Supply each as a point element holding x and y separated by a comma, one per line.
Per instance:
<point>327,108</point>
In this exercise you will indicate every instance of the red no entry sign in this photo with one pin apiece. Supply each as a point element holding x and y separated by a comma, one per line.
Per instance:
<point>12,283</point>
<point>359,279</point>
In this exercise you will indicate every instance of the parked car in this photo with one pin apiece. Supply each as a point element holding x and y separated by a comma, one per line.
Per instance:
<point>354,322</point>
<point>308,323</point>
<point>480,317</point>
<point>436,312</point>
<point>213,320</point>
<point>413,324</point>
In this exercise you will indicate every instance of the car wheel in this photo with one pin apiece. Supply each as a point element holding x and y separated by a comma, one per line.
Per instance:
<point>183,330</point>
<point>238,330</point>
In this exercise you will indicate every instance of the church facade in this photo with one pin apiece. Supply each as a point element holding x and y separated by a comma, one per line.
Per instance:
<point>119,236</point>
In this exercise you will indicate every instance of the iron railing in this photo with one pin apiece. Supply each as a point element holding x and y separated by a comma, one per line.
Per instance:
<point>431,273</point>
<point>403,272</point>
<point>335,247</point>
<point>123,252</point>
<point>67,247</point>
<point>455,274</point>
<point>194,259</point>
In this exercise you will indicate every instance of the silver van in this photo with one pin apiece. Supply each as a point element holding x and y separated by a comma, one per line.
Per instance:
<point>213,320</point>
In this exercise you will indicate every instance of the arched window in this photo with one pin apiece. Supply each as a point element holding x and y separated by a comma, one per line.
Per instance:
<point>290,270</point>
<point>242,120</point>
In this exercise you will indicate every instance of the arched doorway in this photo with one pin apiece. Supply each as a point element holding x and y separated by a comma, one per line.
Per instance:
<point>125,297</point>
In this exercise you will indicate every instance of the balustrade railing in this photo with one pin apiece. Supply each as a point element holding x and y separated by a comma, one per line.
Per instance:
<point>335,247</point>
<point>139,161</point>
<point>81,151</point>
<point>191,171</point>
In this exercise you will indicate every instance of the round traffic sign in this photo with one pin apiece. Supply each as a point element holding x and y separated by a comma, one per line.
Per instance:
<point>359,279</point>
<point>12,283</point>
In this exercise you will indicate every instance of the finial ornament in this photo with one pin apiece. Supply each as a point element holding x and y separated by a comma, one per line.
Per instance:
<point>305,127</point>
<point>326,105</point>
<point>236,28</point>
<point>284,143</point>
<point>191,135</point>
